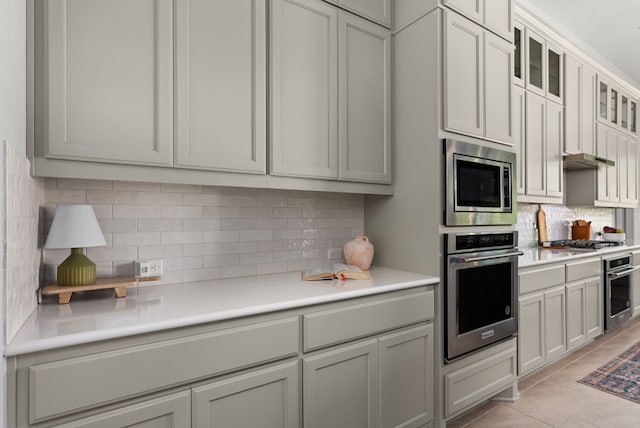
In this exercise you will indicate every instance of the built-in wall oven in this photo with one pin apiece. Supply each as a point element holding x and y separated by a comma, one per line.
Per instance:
<point>481,293</point>
<point>618,273</point>
<point>479,185</point>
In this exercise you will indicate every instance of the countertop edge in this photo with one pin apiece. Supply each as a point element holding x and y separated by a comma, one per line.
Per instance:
<point>576,255</point>
<point>115,333</point>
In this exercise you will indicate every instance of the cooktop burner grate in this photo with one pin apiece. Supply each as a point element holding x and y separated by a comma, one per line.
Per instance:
<point>584,243</point>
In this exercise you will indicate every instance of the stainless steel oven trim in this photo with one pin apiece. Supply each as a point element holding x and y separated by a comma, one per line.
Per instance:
<point>450,242</point>
<point>458,345</point>
<point>478,216</point>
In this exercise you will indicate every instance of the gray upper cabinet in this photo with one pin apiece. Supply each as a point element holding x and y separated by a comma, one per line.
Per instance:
<point>365,100</point>
<point>473,9</point>
<point>376,10</point>
<point>498,91</point>
<point>266,398</point>
<point>221,85</point>
<point>330,94</point>
<point>496,15</point>
<point>108,95</point>
<point>535,60</point>
<point>579,106</point>
<point>518,54</point>
<point>304,88</point>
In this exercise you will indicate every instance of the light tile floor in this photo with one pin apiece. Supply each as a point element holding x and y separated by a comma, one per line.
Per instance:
<point>552,397</point>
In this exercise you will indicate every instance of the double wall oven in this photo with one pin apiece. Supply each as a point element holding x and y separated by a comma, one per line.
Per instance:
<point>480,264</point>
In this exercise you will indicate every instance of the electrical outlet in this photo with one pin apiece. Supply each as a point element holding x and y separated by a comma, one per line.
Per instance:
<point>143,269</point>
<point>334,253</point>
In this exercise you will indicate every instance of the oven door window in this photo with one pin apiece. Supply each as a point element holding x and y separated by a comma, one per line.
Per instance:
<point>478,184</point>
<point>620,294</point>
<point>484,295</point>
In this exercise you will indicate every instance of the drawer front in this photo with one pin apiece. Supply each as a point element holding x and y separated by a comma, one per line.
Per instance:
<point>479,381</point>
<point>343,324</point>
<point>110,376</point>
<point>539,279</point>
<point>583,269</point>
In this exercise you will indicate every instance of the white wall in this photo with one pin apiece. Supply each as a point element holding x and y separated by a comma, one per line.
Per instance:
<point>12,113</point>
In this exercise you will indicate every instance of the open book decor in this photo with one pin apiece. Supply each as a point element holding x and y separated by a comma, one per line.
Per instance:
<point>336,271</point>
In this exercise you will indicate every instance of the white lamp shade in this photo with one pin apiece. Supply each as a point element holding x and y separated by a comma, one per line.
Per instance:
<point>75,226</point>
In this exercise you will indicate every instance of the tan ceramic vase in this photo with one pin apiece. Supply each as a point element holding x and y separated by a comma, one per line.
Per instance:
<point>359,252</point>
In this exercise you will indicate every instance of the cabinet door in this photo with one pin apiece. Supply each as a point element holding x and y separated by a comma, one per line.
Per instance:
<point>535,145</point>
<point>265,398</point>
<point>633,116</point>
<point>519,139</point>
<point>406,377</point>
<point>572,105</point>
<point>518,54</point>
<point>554,323</point>
<point>463,75</point>
<point>473,9</point>
<point>576,314</point>
<point>536,62</point>
<point>624,111</point>
<point>221,85</point>
<point>613,180</point>
<point>632,171</point>
<point>172,411</point>
<point>531,332</point>
<point>588,113</point>
<point>498,91</point>
<point>554,73</point>
<point>375,10</point>
<point>340,387</point>
<point>498,17</point>
<point>622,166</point>
<point>304,88</point>
<point>603,99</point>
<point>614,106</point>
<point>109,81</point>
<point>602,189</point>
<point>594,307</point>
<point>365,100</point>
<point>554,137</point>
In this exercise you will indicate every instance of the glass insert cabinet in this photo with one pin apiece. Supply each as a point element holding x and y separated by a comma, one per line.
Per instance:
<point>615,107</point>
<point>544,64</point>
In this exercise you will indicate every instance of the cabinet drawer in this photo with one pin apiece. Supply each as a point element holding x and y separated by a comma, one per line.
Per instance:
<point>479,381</point>
<point>342,324</point>
<point>539,279</point>
<point>583,269</point>
<point>110,376</point>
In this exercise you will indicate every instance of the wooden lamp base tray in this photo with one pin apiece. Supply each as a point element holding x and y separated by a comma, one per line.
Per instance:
<point>119,284</point>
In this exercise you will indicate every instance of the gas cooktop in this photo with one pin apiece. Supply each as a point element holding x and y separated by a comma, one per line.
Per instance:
<point>585,244</point>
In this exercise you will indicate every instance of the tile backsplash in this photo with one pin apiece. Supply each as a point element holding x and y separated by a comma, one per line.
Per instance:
<point>23,198</point>
<point>559,218</point>
<point>206,232</point>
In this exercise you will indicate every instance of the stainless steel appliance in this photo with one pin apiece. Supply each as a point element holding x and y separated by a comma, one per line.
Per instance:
<point>585,244</point>
<point>618,272</point>
<point>481,293</point>
<point>480,185</point>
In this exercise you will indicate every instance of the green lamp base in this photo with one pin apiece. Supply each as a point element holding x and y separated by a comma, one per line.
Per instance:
<point>77,269</point>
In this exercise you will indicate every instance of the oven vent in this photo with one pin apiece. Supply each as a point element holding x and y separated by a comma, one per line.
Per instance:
<point>585,161</point>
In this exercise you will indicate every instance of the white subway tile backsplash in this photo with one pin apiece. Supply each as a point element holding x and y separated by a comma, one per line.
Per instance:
<point>209,232</point>
<point>124,268</point>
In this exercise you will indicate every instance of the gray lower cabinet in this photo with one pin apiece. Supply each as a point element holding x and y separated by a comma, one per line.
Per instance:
<point>531,330</point>
<point>266,398</point>
<point>172,411</point>
<point>385,382</point>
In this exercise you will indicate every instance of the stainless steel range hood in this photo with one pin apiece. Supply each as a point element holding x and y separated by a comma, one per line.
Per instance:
<point>585,161</point>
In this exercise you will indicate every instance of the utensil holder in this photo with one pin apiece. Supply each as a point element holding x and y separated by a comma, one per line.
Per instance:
<point>581,232</point>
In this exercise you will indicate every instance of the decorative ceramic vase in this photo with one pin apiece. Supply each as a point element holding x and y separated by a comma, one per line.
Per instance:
<point>359,252</point>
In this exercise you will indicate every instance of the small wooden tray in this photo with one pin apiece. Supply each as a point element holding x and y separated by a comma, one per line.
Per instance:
<point>119,284</point>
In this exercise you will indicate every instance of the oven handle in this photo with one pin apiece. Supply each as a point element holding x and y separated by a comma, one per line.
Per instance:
<point>477,259</point>
<point>622,273</point>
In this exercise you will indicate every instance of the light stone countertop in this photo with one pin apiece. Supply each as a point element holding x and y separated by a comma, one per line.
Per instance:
<point>91,317</point>
<point>540,256</point>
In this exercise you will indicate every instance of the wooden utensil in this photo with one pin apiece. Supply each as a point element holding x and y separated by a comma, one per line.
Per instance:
<point>542,224</point>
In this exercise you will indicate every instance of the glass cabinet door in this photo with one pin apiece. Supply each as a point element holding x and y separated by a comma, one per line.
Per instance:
<point>518,55</point>
<point>603,97</point>
<point>632,116</point>
<point>614,107</point>
<point>554,73</point>
<point>624,112</point>
<point>535,63</point>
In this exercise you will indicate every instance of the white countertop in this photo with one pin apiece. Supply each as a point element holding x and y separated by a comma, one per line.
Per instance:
<point>95,316</point>
<point>539,256</point>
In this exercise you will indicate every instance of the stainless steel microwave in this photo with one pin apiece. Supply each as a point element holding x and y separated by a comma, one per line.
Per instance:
<point>479,185</point>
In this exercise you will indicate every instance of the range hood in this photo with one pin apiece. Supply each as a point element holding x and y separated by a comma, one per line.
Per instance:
<point>585,161</point>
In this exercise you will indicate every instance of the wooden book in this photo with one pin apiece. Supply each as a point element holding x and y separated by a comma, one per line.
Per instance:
<point>336,271</point>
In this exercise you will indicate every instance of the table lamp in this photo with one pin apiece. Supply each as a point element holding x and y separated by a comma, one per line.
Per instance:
<point>75,227</point>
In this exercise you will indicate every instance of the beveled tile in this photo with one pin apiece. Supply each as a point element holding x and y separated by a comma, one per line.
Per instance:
<point>607,410</point>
